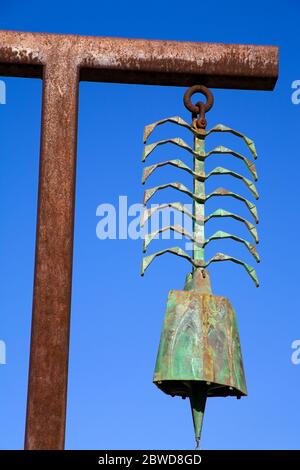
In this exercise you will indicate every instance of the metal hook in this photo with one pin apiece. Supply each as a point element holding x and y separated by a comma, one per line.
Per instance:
<point>200,108</point>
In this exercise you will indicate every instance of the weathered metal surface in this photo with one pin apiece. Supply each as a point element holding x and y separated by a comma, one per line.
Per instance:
<point>176,163</point>
<point>147,213</point>
<point>196,108</point>
<point>220,192</point>
<point>142,61</point>
<point>148,149</point>
<point>198,196</point>
<point>200,108</point>
<point>198,398</point>
<point>199,201</point>
<point>199,354</point>
<point>149,237</point>
<point>218,257</point>
<point>223,171</point>
<point>199,341</point>
<point>48,372</point>
<point>176,250</point>
<point>177,120</point>
<point>221,235</point>
<point>149,193</point>
<point>219,213</point>
<point>220,150</point>
<point>249,142</point>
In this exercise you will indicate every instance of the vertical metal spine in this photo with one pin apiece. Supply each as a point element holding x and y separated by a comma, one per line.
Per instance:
<point>199,192</point>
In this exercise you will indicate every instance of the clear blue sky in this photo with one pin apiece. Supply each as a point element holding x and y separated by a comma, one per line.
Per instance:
<point>116,314</point>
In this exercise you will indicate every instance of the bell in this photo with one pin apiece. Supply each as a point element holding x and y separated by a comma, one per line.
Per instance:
<point>199,354</point>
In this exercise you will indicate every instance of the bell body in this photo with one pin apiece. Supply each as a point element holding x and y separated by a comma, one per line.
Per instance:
<point>199,342</point>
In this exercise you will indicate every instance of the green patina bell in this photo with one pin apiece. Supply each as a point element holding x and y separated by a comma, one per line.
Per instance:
<point>199,353</point>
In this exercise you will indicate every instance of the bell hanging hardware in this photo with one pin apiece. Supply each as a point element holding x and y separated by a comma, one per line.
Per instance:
<point>199,354</point>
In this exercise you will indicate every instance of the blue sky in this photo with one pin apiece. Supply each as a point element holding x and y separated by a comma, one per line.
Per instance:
<point>116,314</point>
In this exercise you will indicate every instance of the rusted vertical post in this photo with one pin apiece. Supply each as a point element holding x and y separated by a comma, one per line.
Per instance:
<point>46,407</point>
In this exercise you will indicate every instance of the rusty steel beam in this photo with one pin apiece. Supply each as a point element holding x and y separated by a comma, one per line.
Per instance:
<point>62,61</point>
<point>48,370</point>
<point>153,62</point>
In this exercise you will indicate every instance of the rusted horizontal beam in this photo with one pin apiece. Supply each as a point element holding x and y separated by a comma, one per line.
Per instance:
<point>155,62</point>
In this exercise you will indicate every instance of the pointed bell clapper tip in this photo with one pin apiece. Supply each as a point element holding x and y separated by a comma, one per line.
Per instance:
<point>198,401</point>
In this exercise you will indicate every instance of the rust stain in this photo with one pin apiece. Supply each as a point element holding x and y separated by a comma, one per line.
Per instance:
<point>123,60</point>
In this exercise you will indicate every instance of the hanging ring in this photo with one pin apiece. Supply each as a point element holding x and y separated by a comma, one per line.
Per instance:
<point>198,89</point>
<point>199,108</point>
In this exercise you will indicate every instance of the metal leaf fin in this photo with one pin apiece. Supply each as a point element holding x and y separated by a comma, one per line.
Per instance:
<point>225,192</point>
<point>223,171</point>
<point>223,257</point>
<point>147,260</point>
<point>174,120</point>
<point>221,150</point>
<point>148,149</point>
<point>221,235</point>
<point>175,205</point>
<point>149,237</point>
<point>223,213</point>
<point>149,193</point>
<point>177,163</point>
<point>249,142</point>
